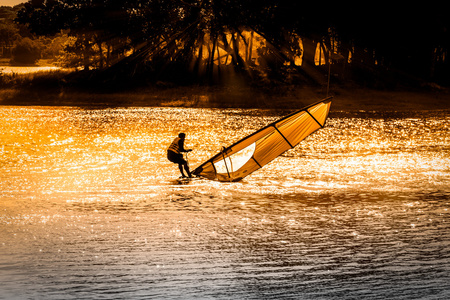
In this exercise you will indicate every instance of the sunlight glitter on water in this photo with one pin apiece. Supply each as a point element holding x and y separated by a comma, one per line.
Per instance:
<point>26,70</point>
<point>90,207</point>
<point>106,150</point>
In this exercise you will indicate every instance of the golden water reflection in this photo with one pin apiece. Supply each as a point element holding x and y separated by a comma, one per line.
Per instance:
<point>27,69</point>
<point>89,207</point>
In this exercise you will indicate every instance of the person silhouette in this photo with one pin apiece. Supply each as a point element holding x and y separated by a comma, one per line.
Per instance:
<point>175,154</point>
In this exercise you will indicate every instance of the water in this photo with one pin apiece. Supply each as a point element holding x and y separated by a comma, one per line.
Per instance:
<point>26,69</point>
<point>90,208</point>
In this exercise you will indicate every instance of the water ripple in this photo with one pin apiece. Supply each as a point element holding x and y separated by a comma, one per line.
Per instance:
<point>90,208</point>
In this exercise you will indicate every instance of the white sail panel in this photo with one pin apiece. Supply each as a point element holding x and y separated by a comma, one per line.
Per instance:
<point>235,161</point>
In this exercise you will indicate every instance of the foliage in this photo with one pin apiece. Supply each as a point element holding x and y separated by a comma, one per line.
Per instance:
<point>8,34</point>
<point>53,47</point>
<point>12,34</point>
<point>8,31</point>
<point>264,39</point>
<point>26,51</point>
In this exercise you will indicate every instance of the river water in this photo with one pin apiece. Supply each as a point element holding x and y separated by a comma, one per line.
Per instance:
<point>90,208</point>
<point>26,69</point>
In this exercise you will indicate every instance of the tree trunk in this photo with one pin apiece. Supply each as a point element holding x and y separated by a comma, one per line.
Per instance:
<point>101,56</point>
<point>344,51</point>
<point>86,55</point>
<point>308,64</point>
<point>250,48</point>
<point>210,65</point>
<point>108,55</point>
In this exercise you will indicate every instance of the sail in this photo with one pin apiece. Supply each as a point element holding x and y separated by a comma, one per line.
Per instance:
<point>261,147</point>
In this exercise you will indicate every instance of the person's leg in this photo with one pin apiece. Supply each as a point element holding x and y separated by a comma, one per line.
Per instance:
<point>186,167</point>
<point>180,166</point>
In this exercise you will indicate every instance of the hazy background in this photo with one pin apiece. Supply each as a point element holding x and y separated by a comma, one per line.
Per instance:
<point>11,2</point>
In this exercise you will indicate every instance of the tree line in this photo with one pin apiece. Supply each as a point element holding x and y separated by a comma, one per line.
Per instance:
<point>19,46</point>
<point>261,40</point>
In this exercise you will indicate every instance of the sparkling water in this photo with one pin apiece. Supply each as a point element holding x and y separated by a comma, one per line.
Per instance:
<point>90,208</point>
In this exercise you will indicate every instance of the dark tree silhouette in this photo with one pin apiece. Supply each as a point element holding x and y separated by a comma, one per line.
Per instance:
<point>256,38</point>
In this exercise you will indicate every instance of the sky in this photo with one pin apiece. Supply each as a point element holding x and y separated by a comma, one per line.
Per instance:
<point>11,2</point>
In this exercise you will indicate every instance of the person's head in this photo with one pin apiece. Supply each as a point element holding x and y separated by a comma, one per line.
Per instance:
<point>181,135</point>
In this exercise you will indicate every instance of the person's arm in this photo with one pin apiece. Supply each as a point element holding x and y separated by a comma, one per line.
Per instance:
<point>181,145</point>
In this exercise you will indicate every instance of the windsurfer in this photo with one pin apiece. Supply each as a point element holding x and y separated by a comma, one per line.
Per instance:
<point>174,154</point>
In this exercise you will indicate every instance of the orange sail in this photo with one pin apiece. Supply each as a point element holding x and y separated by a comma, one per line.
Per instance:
<point>261,147</point>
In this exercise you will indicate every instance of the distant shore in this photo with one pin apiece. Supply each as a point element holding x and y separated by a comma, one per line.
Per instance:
<point>50,88</point>
<point>345,99</point>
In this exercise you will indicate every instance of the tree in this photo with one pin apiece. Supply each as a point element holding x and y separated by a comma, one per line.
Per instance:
<point>26,51</point>
<point>210,37</point>
<point>83,20</point>
<point>8,34</point>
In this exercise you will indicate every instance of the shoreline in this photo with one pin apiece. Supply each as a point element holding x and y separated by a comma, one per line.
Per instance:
<point>345,98</point>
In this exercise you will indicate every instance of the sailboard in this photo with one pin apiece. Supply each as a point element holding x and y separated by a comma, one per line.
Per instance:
<point>251,153</point>
<point>186,180</point>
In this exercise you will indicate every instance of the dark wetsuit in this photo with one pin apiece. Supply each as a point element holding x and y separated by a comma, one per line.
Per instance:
<point>175,150</point>
<point>174,154</point>
<point>175,157</point>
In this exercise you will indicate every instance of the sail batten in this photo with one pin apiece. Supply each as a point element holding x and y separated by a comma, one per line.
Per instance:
<point>285,138</point>
<point>256,162</point>
<point>264,145</point>
<point>315,119</point>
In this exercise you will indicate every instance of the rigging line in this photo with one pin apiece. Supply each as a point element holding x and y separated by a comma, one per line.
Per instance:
<point>225,162</point>
<point>314,118</point>
<point>212,163</point>
<point>287,141</point>
<point>231,164</point>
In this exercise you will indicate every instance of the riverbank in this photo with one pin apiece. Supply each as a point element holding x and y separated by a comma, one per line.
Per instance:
<point>345,98</point>
<point>42,65</point>
<point>63,88</point>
